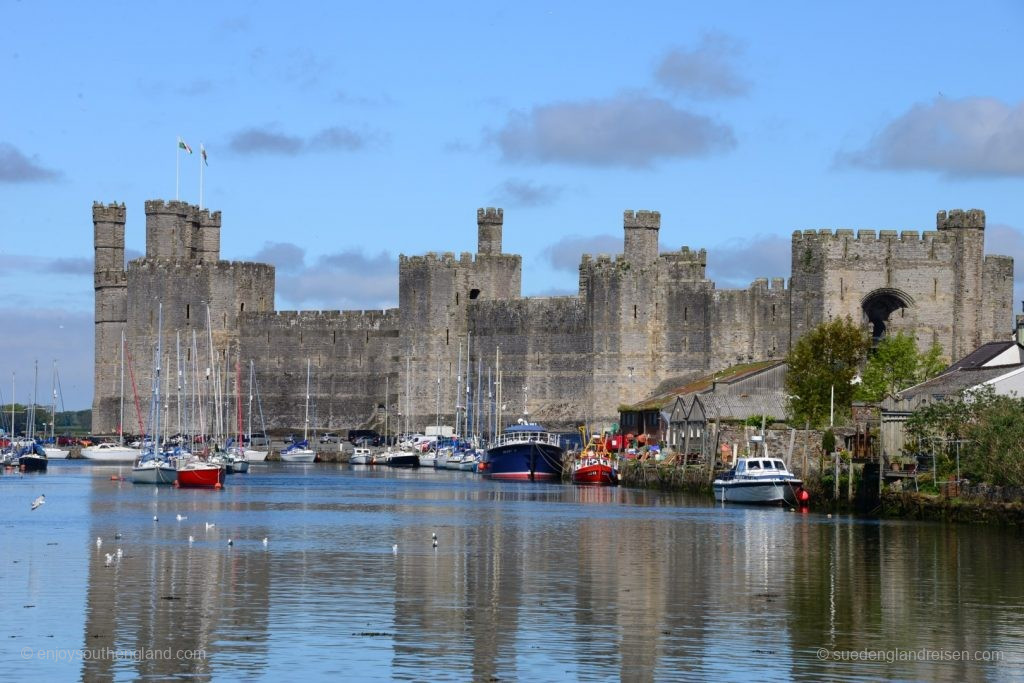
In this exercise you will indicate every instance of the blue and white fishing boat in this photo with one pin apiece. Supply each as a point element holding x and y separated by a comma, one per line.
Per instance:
<point>759,480</point>
<point>524,452</point>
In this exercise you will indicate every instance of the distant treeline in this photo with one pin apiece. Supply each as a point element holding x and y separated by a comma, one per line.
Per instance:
<point>67,422</point>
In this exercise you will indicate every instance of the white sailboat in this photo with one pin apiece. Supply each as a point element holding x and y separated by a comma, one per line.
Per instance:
<point>152,467</point>
<point>252,454</point>
<point>114,452</point>
<point>52,451</point>
<point>301,452</point>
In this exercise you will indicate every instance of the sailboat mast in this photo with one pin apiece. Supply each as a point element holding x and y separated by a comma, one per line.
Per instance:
<point>120,419</point>
<point>305,427</point>
<point>238,393</point>
<point>469,356</point>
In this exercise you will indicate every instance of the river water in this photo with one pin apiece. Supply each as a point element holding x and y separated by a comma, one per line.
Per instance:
<point>537,582</point>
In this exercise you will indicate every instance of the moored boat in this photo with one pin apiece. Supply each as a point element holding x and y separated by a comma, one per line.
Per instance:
<point>595,465</point>
<point>111,452</point>
<point>31,457</point>
<point>361,456</point>
<point>402,459</point>
<point>196,473</point>
<point>153,469</point>
<point>524,452</point>
<point>760,480</point>
<point>298,452</point>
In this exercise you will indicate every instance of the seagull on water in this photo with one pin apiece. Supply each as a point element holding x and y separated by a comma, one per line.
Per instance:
<point>210,525</point>
<point>230,542</point>
<point>394,549</point>
<point>110,560</point>
<point>435,542</point>
<point>434,535</point>
<point>181,518</point>
<point>155,518</point>
<point>38,501</point>
<point>99,541</point>
<point>265,541</point>
<point>190,539</point>
<point>117,535</point>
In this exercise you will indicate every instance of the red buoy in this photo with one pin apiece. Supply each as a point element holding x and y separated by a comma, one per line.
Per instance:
<point>802,496</point>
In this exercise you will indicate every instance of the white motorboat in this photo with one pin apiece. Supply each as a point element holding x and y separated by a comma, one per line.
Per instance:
<point>361,456</point>
<point>428,459</point>
<point>111,452</point>
<point>255,456</point>
<point>761,480</point>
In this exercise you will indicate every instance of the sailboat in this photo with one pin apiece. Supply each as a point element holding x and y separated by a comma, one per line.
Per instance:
<point>50,445</point>
<point>114,452</point>
<point>152,467</point>
<point>300,451</point>
<point>236,459</point>
<point>31,456</point>
<point>251,454</point>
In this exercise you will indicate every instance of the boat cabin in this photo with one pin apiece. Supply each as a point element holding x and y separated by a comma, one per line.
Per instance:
<point>755,466</point>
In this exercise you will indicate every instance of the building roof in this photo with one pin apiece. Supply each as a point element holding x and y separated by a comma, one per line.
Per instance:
<point>730,406</point>
<point>668,391</point>
<point>987,362</point>
<point>991,354</point>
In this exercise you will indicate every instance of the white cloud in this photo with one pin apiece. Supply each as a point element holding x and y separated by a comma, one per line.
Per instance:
<point>631,130</point>
<point>705,72</point>
<point>973,136</point>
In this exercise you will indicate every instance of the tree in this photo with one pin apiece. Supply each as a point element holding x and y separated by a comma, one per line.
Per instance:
<point>823,361</point>
<point>896,364</point>
<point>988,428</point>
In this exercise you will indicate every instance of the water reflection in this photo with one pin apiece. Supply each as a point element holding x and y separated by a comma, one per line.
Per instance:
<point>528,581</point>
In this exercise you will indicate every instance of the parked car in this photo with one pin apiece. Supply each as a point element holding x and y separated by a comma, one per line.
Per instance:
<point>354,435</point>
<point>329,437</point>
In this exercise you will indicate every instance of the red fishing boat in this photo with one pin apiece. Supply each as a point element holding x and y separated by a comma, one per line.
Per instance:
<point>595,465</point>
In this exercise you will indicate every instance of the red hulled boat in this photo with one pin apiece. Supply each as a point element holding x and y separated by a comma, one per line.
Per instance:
<point>199,474</point>
<point>595,465</point>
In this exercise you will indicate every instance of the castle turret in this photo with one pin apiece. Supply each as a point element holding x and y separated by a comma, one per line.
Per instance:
<point>208,244</point>
<point>488,225</point>
<point>111,291</point>
<point>641,241</point>
<point>168,230</point>
<point>968,228</point>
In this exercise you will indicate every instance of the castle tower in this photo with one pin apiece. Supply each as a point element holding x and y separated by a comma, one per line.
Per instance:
<point>968,229</point>
<point>111,290</point>
<point>169,235</point>
<point>208,245</point>
<point>641,241</point>
<point>488,226</point>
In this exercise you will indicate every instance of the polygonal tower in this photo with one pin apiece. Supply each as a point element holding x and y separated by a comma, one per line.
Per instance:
<point>111,290</point>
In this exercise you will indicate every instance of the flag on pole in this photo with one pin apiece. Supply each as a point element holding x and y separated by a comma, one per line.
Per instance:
<point>202,152</point>
<point>184,145</point>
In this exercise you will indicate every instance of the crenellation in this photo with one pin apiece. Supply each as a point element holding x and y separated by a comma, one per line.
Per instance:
<point>639,314</point>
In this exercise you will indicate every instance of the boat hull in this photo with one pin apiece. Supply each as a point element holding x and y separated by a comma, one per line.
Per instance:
<point>32,463</point>
<point>201,476</point>
<point>597,474</point>
<point>531,461</point>
<point>299,455</point>
<point>255,456</point>
<point>115,454</point>
<point>239,466</point>
<point>164,474</point>
<point>403,460</point>
<point>769,492</point>
<point>56,453</point>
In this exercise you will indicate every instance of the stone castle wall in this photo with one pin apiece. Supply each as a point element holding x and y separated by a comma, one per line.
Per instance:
<point>639,317</point>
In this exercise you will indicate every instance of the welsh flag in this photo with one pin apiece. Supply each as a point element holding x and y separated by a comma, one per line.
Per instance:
<point>202,153</point>
<point>184,145</point>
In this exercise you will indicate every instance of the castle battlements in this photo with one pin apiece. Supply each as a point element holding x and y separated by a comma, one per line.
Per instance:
<point>640,314</point>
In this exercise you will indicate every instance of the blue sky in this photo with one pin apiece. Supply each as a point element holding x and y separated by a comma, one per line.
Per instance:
<point>340,135</point>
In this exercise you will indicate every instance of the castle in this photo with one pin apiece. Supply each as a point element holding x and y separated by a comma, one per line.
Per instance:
<point>639,317</point>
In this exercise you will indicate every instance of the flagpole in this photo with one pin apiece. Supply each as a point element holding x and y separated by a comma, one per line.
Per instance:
<point>202,150</point>
<point>177,168</point>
